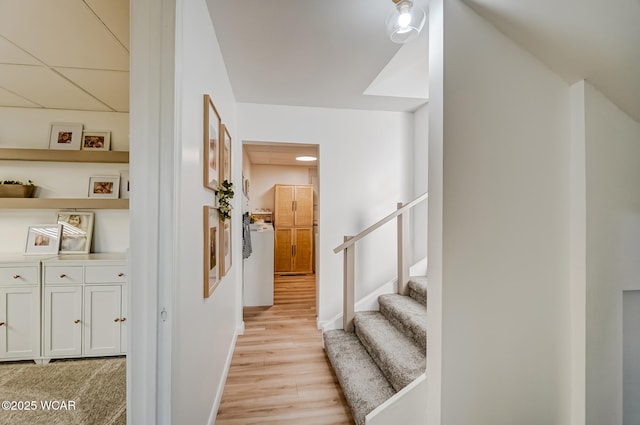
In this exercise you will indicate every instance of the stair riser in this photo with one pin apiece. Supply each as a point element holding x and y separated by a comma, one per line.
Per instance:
<point>417,334</point>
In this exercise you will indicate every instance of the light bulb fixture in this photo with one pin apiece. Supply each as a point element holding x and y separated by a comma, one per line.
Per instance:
<point>405,22</point>
<point>306,158</point>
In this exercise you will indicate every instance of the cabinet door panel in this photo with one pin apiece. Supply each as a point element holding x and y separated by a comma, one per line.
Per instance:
<point>63,321</point>
<point>20,315</point>
<point>303,206</point>
<point>284,205</point>
<point>283,250</point>
<point>102,319</point>
<point>303,260</point>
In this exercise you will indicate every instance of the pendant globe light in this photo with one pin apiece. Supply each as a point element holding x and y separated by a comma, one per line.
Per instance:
<point>405,22</point>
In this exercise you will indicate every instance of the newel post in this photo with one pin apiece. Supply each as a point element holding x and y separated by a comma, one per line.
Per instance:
<point>404,250</point>
<point>348,298</point>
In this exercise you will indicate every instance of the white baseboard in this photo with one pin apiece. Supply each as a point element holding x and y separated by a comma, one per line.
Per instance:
<point>225,374</point>
<point>367,303</point>
<point>370,301</point>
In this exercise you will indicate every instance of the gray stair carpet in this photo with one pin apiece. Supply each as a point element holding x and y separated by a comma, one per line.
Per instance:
<point>385,353</point>
<point>418,289</point>
<point>406,314</point>
<point>363,384</point>
<point>399,357</point>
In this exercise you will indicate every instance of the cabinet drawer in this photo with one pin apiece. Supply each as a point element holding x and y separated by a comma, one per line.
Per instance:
<point>106,274</point>
<point>27,275</point>
<point>63,274</point>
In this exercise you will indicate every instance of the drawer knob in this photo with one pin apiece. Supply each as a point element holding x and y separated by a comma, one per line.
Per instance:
<point>76,321</point>
<point>123,319</point>
<point>16,276</point>
<point>62,276</point>
<point>120,274</point>
<point>2,323</point>
<point>116,320</point>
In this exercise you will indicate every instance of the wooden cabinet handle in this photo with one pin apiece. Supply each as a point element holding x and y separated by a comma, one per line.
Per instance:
<point>62,276</point>
<point>116,319</point>
<point>123,319</point>
<point>76,321</point>
<point>16,276</point>
<point>2,323</point>
<point>120,274</point>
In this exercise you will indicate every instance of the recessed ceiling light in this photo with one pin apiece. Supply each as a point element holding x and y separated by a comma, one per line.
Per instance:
<point>306,158</point>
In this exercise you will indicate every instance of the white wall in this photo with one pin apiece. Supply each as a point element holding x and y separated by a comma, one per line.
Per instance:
<point>420,181</point>
<point>204,330</point>
<point>29,129</point>
<point>613,247</point>
<point>365,168</point>
<point>504,274</point>
<point>266,176</point>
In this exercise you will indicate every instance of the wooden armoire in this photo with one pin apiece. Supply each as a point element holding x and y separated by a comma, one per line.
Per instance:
<point>293,223</point>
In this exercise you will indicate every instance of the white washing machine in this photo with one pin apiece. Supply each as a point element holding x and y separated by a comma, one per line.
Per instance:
<point>258,268</point>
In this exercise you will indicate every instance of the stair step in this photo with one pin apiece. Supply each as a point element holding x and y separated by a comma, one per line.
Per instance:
<point>418,289</point>
<point>363,383</point>
<point>399,358</point>
<point>406,314</point>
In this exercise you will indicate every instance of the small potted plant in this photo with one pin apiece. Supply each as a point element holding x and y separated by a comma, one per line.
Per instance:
<point>16,189</point>
<point>225,195</point>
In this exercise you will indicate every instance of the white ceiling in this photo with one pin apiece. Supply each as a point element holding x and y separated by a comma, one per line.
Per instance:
<point>65,54</point>
<point>74,54</point>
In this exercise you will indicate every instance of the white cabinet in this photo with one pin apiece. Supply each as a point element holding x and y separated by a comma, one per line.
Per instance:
<point>19,309</point>
<point>103,319</point>
<point>62,321</point>
<point>85,309</point>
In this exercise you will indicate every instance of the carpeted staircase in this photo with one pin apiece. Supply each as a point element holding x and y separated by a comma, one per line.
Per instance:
<point>386,352</point>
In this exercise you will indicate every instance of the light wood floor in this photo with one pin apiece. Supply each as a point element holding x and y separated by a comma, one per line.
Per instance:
<point>279,372</point>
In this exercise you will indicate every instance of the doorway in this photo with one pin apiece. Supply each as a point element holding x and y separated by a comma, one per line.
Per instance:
<point>266,168</point>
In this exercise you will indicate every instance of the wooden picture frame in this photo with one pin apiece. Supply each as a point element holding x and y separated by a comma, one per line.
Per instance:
<point>43,239</point>
<point>225,154</point>
<point>65,136</point>
<point>106,187</point>
<point>77,231</point>
<point>225,247</point>
<point>211,271</point>
<point>96,140</point>
<point>211,148</point>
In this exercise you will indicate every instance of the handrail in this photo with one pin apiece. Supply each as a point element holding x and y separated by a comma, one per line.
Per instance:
<point>385,220</point>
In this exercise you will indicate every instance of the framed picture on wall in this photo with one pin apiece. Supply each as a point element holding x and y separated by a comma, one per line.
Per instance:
<point>211,261</point>
<point>225,246</point>
<point>225,154</point>
<point>77,231</point>
<point>211,148</point>
<point>43,239</point>
<point>96,140</point>
<point>104,187</point>
<point>65,136</point>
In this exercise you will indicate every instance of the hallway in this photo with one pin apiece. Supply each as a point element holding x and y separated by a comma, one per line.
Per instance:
<point>279,372</point>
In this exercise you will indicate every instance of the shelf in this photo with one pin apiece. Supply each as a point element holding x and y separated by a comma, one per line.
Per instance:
<point>51,155</point>
<point>64,203</point>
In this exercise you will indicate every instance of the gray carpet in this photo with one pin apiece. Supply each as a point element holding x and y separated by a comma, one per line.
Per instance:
<point>96,386</point>
<point>386,352</point>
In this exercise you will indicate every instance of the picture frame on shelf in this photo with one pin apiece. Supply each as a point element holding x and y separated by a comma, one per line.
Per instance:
<point>65,136</point>
<point>43,239</point>
<point>96,140</point>
<point>225,154</point>
<point>211,250</point>
<point>124,185</point>
<point>212,131</point>
<point>77,231</point>
<point>105,187</point>
<point>225,247</point>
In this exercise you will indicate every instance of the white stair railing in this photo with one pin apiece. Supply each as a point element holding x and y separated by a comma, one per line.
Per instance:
<point>404,257</point>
